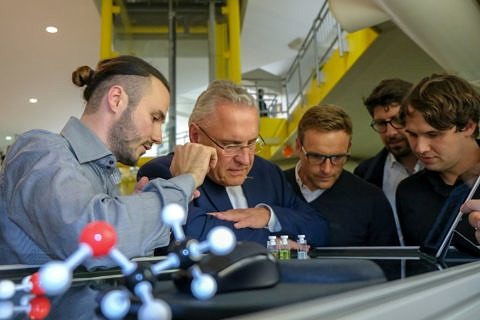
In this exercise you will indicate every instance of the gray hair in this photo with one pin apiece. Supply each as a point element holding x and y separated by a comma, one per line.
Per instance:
<point>217,92</point>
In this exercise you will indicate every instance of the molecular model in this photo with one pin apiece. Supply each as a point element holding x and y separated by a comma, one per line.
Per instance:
<point>36,307</point>
<point>98,239</point>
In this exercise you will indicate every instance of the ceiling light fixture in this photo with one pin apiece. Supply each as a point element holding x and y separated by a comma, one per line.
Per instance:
<point>33,100</point>
<point>8,138</point>
<point>51,29</point>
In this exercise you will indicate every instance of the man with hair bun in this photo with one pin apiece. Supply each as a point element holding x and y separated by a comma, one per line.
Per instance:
<point>52,185</point>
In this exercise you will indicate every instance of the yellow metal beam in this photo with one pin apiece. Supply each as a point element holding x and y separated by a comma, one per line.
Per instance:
<point>163,30</point>
<point>232,11</point>
<point>273,130</point>
<point>106,32</point>
<point>221,59</point>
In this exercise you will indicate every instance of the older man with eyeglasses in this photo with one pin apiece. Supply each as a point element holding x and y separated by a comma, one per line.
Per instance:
<point>395,161</point>
<point>243,191</point>
<point>358,212</point>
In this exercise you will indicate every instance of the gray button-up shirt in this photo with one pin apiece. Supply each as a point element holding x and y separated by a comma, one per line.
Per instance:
<point>52,185</point>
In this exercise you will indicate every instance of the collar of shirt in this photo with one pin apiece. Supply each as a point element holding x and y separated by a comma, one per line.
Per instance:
<point>391,162</point>
<point>86,145</point>
<point>306,192</point>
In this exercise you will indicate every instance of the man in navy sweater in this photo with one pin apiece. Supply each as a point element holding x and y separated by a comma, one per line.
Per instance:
<point>358,212</point>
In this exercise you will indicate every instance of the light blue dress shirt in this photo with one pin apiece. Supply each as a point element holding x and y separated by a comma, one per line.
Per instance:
<point>52,185</point>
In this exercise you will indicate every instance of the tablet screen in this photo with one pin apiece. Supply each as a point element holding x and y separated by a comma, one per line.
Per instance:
<point>439,236</point>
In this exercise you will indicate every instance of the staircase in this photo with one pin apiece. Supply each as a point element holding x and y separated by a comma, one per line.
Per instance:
<point>325,57</point>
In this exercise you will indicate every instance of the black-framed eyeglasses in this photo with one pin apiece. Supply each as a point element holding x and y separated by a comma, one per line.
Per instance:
<point>381,125</point>
<point>234,149</point>
<point>318,159</point>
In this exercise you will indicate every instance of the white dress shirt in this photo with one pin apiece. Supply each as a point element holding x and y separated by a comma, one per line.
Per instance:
<point>239,201</point>
<point>393,173</point>
<point>308,194</point>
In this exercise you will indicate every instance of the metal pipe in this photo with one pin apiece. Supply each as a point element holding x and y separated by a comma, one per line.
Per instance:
<point>211,42</point>
<point>233,13</point>
<point>172,70</point>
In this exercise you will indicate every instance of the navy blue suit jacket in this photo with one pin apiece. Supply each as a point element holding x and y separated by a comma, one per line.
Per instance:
<point>265,184</point>
<point>371,169</point>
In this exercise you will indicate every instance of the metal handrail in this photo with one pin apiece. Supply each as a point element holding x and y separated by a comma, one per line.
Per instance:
<point>325,30</point>
<point>323,37</point>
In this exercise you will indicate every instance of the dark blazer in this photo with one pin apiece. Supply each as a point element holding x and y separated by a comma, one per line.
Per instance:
<point>265,184</point>
<point>371,169</point>
<point>358,212</point>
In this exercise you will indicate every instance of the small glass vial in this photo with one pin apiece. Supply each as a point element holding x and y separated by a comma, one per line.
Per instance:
<point>272,246</point>
<point>284,253</point>
<point>302,247</point>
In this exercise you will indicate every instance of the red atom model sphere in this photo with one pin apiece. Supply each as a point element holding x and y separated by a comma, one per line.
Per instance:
<point>40,308</point>
<point>36,288</point>
<point>100,237</point>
